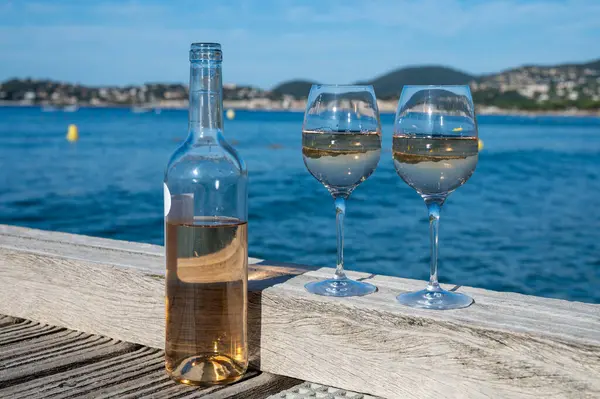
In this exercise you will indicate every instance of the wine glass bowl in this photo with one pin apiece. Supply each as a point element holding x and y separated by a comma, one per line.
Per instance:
<point>435,151</point>
<point>341,136</point>
<point>341,161</point>
<point>341,147</point>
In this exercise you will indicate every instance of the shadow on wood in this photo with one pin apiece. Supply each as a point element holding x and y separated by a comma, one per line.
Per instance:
<point>262,275</point>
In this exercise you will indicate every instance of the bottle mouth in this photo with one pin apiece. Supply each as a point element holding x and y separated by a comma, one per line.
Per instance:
<point>206,52</point>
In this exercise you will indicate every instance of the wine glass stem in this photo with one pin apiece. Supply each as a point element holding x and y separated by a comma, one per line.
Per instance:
<point>340,212</point>
<point>433,209</point>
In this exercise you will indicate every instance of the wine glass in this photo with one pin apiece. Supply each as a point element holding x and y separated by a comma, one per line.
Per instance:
<point>435,151</point>
<point>341,145</point>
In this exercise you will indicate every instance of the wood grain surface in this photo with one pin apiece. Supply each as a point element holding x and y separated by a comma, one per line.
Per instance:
<point>505,345</point>
<point>53,362</point>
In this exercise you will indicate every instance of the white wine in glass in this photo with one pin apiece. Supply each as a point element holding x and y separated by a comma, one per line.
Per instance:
<point>341,146</point>
<point>435,151</point>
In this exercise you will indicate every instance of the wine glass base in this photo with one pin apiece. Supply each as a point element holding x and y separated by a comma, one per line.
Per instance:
<point>340,288</point>
<point>439,299</point>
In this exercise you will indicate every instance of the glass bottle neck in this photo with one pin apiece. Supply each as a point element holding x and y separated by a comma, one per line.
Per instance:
<point>206,99</point>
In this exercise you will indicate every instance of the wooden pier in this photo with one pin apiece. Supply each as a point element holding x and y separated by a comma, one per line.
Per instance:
<point>75,305</point>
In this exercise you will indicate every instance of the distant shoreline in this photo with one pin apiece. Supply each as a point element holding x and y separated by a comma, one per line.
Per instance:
<point>481,110</point>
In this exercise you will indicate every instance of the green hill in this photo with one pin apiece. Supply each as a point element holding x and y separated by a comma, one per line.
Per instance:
<point>593,64</point>
<point>295,88</point>
<point>390,85</point>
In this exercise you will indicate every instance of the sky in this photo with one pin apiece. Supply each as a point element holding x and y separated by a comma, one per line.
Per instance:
<point>265,42</point>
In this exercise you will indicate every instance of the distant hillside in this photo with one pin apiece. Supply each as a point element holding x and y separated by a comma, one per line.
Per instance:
<point>531,87</point>
<point>390,85</point>
<point>546,87</point>
<point>545,70</point>
<point>294,88</point>
<point>593,64</point>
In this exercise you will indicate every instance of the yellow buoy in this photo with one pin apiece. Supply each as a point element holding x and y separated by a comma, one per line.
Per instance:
<point>72,133</point>
<point>480,145</point>
<point>230,114</point>
<point>457,129</point>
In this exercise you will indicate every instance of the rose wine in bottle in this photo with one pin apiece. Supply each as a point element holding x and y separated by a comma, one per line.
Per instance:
<point>206,239</point>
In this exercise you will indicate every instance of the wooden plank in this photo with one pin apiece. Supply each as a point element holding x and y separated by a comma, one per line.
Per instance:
<point>35,235</point>
<point>119,253</point>
<point>8,321</point>
<point>25,332</point>
<point>312,390</point>
<point>61,337</point>
<point>104,299</point>
<point>163,388</point>
<point>18,324</point>
<point>156,384</point>
<point>260,386</point>
<point>109,287</point>
<point>505,345</point>
<point>41,363</point>
<point>72,363</point>
<point>45,363</point>
<point>86,378</point>
<point>159,386</point>
<point>255,385</point>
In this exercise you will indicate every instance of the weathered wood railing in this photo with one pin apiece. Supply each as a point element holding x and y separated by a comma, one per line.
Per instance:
<point>505,345</point>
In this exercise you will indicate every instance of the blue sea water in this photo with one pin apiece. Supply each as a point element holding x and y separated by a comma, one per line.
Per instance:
<point>527,221</point>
